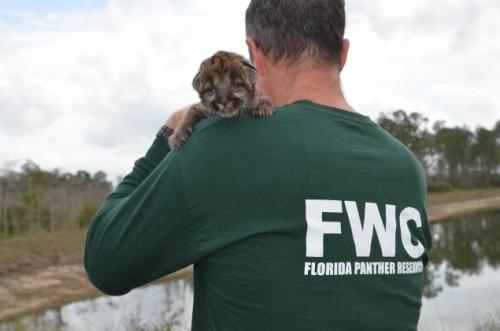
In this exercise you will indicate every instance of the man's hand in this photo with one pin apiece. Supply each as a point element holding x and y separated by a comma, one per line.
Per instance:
<point>176,118</point>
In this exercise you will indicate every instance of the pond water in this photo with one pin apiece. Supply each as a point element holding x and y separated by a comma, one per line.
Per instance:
<point>462,285</point>
<point>462,290</point>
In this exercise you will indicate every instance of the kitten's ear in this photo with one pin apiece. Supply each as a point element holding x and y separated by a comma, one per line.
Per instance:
<point>250,70</point>
<point>197,81</point>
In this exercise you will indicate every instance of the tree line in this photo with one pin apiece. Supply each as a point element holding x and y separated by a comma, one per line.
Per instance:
<point>452,157</point>
<point>33,199</point>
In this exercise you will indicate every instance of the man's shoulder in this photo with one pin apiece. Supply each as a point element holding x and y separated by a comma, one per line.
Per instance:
<point>215,123</point>
<point>240,127</point>
<point>240,138</point>
<point>399,156</point>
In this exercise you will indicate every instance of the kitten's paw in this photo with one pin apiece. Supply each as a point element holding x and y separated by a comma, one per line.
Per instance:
<point>178,138</point>
<point>263,109</point>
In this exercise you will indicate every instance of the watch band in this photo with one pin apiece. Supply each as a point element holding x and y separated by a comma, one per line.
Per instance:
<point>164,133</point>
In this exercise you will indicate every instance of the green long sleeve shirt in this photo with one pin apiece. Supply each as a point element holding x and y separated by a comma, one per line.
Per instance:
<point>312,219</point>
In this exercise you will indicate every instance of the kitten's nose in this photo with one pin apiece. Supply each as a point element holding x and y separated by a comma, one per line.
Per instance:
<point>222,105</point>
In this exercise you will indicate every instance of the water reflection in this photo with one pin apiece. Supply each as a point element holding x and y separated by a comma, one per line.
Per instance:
<point>163,307</point>
<point>462,247</point>
<point>462,280</point>
<point>461,290</point>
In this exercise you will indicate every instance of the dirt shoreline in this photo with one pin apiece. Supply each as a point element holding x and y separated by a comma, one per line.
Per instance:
<point>443,211</point>
<point>51,287</point>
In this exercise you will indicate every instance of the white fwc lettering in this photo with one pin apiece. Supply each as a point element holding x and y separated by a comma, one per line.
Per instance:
<point>316,228</point>
<point>410,214</point>
<point>363,234</point>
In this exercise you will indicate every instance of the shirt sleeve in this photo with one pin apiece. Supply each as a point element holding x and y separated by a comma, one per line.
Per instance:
<point>143,230</point>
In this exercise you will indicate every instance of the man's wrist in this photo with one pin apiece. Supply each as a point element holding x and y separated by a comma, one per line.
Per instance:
<point>160,146</point>
<point>164,132</point>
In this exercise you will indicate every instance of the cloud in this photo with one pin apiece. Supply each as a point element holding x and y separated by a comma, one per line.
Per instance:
<point>438,58</point>
<point>88,88</point>
<point>92,84</point>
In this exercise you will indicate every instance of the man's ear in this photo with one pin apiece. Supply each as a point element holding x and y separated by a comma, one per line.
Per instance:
<point>343,54</point>
<point>256,56</point>
<point>250,70</point>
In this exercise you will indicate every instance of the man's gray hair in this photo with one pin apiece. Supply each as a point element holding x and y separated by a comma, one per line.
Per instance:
<point>286,29</point>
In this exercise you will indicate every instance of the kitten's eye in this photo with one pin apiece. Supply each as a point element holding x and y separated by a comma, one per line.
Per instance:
<point>237,88</point>
<point>209,93</point>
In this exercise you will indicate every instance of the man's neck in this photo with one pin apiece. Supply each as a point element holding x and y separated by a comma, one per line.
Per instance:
<point>318,86</point>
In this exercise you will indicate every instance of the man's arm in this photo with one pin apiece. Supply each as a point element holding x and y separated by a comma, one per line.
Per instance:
<point>143,230</point>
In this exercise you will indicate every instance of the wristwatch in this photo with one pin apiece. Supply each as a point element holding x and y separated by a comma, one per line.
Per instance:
<point>164,133</point>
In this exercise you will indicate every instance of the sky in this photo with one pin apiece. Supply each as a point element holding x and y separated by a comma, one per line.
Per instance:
<point>86,84</point>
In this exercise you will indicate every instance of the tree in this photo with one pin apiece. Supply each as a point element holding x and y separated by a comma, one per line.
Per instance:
<point>3,205</point>
<point>454,145</point>
<point>411,130</point>
<point>86,215</point>
<point>486,153</point>
<point>33,199</point>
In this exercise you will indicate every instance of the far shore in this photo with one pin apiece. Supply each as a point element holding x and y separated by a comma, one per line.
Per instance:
<point>441,212</point>
<point>23,292</point>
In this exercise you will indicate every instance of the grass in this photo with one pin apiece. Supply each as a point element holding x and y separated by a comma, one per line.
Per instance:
<point>461,195</point>
<point>40,249</point>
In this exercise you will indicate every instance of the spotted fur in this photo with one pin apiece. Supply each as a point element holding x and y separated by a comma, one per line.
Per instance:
<point>226,85</point>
